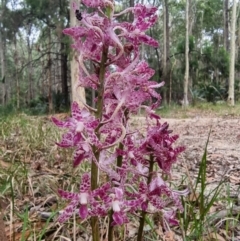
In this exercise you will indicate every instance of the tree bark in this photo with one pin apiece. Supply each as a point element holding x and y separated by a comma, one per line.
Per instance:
<point>16,61</point>
<point>30,69</point>
<point>238,48</point>
<point>226,31</point>
<point>131,4</point>
<point>78,93</point>
<point>64,57</point>
<point>226,27</point>
<point>50,100</point>
<point>231,100</point>
<point>64,79</point>
<point>166,50</point>
<point>2,56</point>
<point>192,13</point>
<point>186,75</point>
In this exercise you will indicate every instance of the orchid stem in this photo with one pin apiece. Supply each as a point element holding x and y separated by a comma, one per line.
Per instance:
<point>94,185</point>
<point>110,227</point>
<point>101,82</point>
<point>119,158</point>
<point>119,164</point>
<point>94,167</point>
<point>144,213</point>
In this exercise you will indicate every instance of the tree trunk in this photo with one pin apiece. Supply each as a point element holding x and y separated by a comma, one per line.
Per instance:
<point>16,61</point>
<point>186,75</point>
<point>30,69</point>
<point>165,67</point>
<point>3,82</point>
<point>50,100</point>
<point>226,28</point>
<point>78,93</point>
<point>226,31</point>
<point>43,82</point>
<point>237,51</point>
<point>231,101</point>
<point>64,58</point>
<point>131,4</point>
<point>2,56</point>
<point>192,13</point>
<point>64,79</point>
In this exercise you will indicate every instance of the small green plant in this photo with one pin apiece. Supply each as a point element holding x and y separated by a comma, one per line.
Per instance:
<point>7,110</point>
<point>195,218</point>
<point>44,229</point>
<point>25,219</point>
<point>196,97</point>
<point>211,92</point>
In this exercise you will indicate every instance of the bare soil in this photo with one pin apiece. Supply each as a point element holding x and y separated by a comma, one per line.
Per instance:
<point>223,149</point>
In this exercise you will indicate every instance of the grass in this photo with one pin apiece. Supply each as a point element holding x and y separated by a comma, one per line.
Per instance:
<point>200,109</point>
<point>33,169</point>
<point>195,221</point>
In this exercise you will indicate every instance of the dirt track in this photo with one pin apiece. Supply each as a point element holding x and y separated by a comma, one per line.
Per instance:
<point>223,148</point>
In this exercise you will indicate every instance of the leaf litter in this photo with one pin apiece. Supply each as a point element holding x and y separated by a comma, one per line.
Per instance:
<point>33,169</point>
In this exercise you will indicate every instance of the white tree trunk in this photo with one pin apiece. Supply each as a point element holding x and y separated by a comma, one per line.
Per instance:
<point>231,101</point>
<point>77,93</point>
<point>186,75</point>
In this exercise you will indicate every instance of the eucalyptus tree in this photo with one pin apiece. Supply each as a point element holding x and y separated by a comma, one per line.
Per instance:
<point>226,24</point>
<point>166,50</point>
<point>186,75</point>
<point>77,93</point>
<point>231,100</point>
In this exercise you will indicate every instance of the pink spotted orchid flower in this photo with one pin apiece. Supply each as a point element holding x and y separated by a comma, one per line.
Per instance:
<point>109,63</point>
<point>77,200</point>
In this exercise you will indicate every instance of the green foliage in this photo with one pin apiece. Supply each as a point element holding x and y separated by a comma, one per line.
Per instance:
<point>196,97</point>
<point>205,58</point>
<point>44,230</point>
<point>207,53</point>
<point>194,62</point>
<point>38,106</point>
<point>7,110</point>
<point>211,92</point>
<point>212,74</point>
<point>212,14</point>
<point>3,80</point>
<point>59,102</point>
<point>181,45</point>
<point>214,60</point>
<point>221,62</point>
<point>195,223</point>
<point>13,20</point>
<point>237,62</point>
<point>48,11</point>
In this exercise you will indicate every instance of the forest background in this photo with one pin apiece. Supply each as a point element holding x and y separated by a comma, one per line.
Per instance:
<point>194,57</point>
